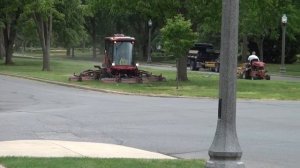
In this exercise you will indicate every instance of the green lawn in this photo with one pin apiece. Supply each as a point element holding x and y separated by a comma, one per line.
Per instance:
<point>199,85</point>
<point>291,69</point>
<point>19,162</point>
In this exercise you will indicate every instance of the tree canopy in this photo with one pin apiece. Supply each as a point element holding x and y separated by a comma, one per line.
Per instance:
<point>178,37</point>
<point>66,23</point>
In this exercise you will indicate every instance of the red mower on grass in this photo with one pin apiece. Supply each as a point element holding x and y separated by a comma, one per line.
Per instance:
<point>254,70</point>
<point>118,65</point>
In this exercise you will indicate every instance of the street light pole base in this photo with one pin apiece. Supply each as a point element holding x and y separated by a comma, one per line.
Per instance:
<point>224,164</point>
<point>282,70</point>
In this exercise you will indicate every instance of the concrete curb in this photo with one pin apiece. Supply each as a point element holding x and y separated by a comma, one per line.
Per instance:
<point>126,93</point>
<point>54,148</point>
<point>98,90</point>
<point>63,84</point>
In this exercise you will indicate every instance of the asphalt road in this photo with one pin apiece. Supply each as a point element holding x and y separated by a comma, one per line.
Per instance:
<point>268,130</point>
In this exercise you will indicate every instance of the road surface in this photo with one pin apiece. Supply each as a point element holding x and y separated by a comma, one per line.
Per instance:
<point>268,130</point>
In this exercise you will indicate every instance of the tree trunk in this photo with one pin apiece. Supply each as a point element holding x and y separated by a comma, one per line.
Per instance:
<point>94,49</point>
<point>2,49</point>
<point>48,42</point>
<point>181,69</point>
<point>83,45</point>
<point>261,48</point>
<point>31,46</point>
<point>181,65</point>
<point>245,49</point>
<point>9,39</point>
<point>73,52</point>
<point>8,55</point>
<point>260,45</point>
<point>68,53</point>
<point>94,37</point>
<point>9,36</point>
<point>24,45</point>
<point>90,26</point>
<point>44,28</point>
<point>182,9</point>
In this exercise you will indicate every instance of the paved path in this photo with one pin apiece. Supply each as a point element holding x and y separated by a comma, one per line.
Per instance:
<point>51,148</point>
<point>268,130</point>
<point>279,77</point>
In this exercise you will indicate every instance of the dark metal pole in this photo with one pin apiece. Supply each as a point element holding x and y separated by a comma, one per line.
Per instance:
<point>149,46</point>
<point>225,151</point>
<point>282,67</point>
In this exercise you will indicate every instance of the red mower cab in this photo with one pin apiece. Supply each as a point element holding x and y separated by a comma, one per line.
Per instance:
<point>118,58</point>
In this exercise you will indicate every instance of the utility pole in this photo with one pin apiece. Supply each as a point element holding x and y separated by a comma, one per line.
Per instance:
<point>225,151</point>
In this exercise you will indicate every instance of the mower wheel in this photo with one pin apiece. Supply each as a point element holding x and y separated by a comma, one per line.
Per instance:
<point>193,65</point>
<point>240,76</point>
<point>245,76</point>
<point>217,68</point>
<point>268,77</point>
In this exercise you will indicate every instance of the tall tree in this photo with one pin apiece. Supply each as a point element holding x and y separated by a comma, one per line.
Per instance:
<point>10,12</point>
<point>132,18</point>
<point>206,19</point>
<point>178,37</point>
<point>26,33</point>
<point>2,49</point>
<point>90,24</point>
<point>69,28</point>
<point>260,20</point>
<point>42,12</point>
<point>98,20</point>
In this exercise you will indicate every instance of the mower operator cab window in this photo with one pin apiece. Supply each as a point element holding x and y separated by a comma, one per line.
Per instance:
<point>123,53</point>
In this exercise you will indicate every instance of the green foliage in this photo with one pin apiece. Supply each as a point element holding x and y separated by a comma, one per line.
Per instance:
<point>206,15</point>
<point>1,25</point>
<point>9,9</point>
<point>26,32</point>
<point>43,7</point>
<point>10,6</point>
<point>177,36</point>
<point>293,15</point>
<point>131,18</point>
<point>263,18</point>
<point>70,29</point>
<point>258,19</point>
<point>98,17</point>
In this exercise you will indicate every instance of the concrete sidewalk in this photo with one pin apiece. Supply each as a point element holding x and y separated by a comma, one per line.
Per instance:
<point>53,148</point>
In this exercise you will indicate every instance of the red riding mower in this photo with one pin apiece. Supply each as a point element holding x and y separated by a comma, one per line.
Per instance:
<point>254,70</point>
<point>119,65</point>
